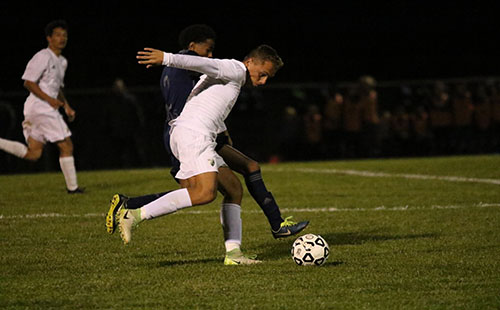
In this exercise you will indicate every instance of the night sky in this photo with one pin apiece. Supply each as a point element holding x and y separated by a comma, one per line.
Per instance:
<point>391,40</point>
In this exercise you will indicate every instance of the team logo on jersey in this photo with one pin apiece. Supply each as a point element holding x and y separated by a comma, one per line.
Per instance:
<point>212,162</point>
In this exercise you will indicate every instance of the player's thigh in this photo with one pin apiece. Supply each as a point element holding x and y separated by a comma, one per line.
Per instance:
<point>183,183</point>
<point>238,161</point>
<point>202,188</point>
<point>229,185</point>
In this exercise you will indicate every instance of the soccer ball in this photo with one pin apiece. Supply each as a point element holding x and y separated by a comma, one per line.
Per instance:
<point>310,249</point>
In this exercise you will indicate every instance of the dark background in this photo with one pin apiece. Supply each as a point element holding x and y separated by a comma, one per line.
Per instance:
<point>319,42</point>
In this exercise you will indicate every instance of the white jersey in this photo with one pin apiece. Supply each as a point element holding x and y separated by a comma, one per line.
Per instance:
<point>47,70</point>
<point>215,94</point>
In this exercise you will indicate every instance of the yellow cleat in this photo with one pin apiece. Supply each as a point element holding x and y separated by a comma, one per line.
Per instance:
<point>117,202</point>
<point>236,257</point>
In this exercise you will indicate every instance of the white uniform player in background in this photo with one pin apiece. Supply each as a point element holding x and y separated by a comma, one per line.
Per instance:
<point>44,78</point>
<point>193,135</point>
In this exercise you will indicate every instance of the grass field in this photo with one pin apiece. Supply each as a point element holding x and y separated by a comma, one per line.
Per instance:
<point>403,234</point>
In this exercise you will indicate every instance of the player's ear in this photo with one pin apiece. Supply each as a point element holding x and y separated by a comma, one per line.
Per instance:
<point>248,61</point>
<point>191,46</point>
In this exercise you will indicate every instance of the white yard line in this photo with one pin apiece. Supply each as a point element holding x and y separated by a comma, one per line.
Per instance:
<point>288,210</point>
<point>364,173</point>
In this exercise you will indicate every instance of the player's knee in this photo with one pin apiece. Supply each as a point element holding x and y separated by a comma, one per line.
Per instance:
<point>33,155</point>
<point>67,151</point>
<point>65,148</point>
<point>203,195</point>
<point>252,166</point>
<point>234,192</point>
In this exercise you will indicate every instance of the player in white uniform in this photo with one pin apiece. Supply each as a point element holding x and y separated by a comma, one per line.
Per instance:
<point>194,132</point>
<point>44,78</point>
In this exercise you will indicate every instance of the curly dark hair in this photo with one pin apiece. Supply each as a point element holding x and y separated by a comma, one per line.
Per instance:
<point>55,24</point>
<point>195,33</point>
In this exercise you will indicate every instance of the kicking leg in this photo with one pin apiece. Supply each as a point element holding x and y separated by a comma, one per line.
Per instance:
<point>250,169</point>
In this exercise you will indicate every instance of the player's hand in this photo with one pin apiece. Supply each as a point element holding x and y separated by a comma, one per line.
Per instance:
<point>150,57</point>
<point>70,113</point>
<point>55,103</point>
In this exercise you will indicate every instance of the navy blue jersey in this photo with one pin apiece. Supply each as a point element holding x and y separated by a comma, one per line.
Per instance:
<point>176,85</point>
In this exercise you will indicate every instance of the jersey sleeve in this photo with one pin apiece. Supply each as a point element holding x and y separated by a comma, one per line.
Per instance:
<point>35,67</point>
<point>224,69</point>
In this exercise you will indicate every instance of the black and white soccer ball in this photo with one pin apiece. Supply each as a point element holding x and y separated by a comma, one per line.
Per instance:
<point>309,250</point>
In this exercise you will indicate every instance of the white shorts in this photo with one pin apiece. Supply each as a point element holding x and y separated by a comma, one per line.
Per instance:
<point>45,127</point>
<point>195,151</point>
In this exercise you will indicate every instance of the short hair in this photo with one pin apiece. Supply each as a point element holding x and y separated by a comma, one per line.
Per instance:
<point>55,24</point>
<point>195,33</point>
<point>265,52</point>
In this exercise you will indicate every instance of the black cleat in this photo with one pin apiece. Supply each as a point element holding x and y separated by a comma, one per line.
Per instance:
<point>78,190</point>
<point>289,228</point>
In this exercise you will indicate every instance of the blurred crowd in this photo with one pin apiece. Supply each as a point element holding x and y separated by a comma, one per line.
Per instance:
<point>363,120</point>
<point>121,127</point>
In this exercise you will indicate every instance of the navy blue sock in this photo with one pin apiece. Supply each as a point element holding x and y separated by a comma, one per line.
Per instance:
<point>137,202</point>
<point>265,199</point>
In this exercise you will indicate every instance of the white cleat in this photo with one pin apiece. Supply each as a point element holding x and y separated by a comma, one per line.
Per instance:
<point>127,220</point>
<point>236,257</point>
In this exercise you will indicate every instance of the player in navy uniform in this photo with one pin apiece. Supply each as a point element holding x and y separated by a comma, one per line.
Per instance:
<point>176,85</point>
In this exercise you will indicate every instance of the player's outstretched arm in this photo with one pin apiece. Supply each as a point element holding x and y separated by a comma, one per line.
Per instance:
<point>224,69</point>
<point>150,57</point>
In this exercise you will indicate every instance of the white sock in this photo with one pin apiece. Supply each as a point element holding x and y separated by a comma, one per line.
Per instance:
<point>230,218</point>
<point>231,245</point>
<point>13,147</point>
<point>166,204</point>
<point>68,169</point>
